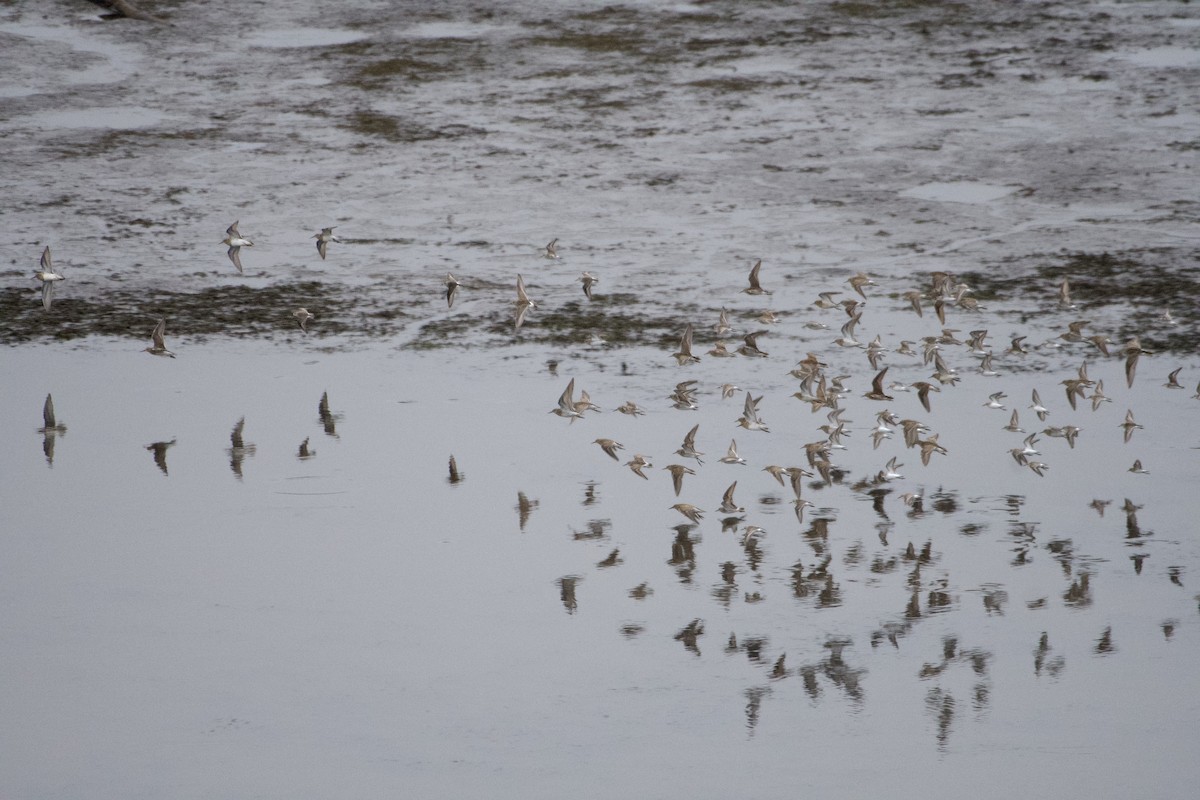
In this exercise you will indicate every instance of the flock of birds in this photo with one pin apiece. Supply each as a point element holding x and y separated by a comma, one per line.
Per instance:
<point>818,388</point>
<point>823,391</point>
<point>52,428</point>
<point>50,277</point>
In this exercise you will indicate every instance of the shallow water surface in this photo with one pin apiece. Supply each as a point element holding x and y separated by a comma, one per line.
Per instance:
<point>408,576</point>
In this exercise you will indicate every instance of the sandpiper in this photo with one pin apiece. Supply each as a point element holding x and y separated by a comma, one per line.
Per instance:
<point>1014,424</point>
<point>994,400</point>
<point>929,447</point>
<point>751,349</point>
<point>1132,351</point>
<point>914,299</point>
<point>302,316</point>
<point>50,422</point>
<point>847,338</point>
<point>722,327</point>
<point>638,463</point>
<point>732,457</point>
<point>452,285</point>
<point>750,419</point>
<point>755,286</point>
<point>728,506</point>
<point>1022,454</point>
<point>684,396</point>
<point>889,472</point>
<point>857,282</point>
<point>677,472</point>
<point>551,249</point>
<point>1064,295</point>
<point>1101,342</point>
<point>688,448</point>
<point>567,407</point>
<point>610,446</point>
<point>1137,468</point>
<point>46,274</point>
<point>719,351</point>
<point>323,239</point>
<point>777,471</point>
<point>796,476</point>
<point>684,356</point>
<point>236,242</point>
<point>1039,409</point>
<point>689,511</point>
<point>631,409</point>
<point>585,402</point>
<point>877,392</point>
<point>1173,379</point>
<point>1074,331</point>
<point>923,389</point>
<point>1129,425</point>
<point>523,303</point>
<point>588,280</point>
<point>159,347</point>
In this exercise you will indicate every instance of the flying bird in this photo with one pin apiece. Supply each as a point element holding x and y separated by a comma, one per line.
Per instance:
<point>236,242</point>
<point>46,274</point>
<point>323,239</point>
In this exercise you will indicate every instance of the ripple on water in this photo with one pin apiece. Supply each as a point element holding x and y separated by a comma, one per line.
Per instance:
<point>1165,57</point>
<point>122,118</point>
<point>959,192</point>
<point>305,37</point>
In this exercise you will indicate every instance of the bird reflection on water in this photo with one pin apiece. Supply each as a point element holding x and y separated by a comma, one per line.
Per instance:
<point>159,451</point>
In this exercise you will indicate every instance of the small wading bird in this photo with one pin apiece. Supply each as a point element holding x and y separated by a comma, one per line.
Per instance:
<point>755,286</point>
<point>523,304</point>
<point>302,316</point>
<point>750,419</point>
<point>236,242</point>
<point>677,472</point>
<point>689,511</point>
<point>50,423</point>
<point>684,356</point>
<point>46,274</point>
<point>638,463</point>
<point>688,448</point>
<point>323,239</point>
<point>567,407</point>
<point>610,446</point>
<point>159,348</point>
<point>452,285</point>
<point>732,457</point>
<point>588,280</point>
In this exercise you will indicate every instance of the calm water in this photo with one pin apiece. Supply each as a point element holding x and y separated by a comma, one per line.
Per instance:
<point>362,621</point>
